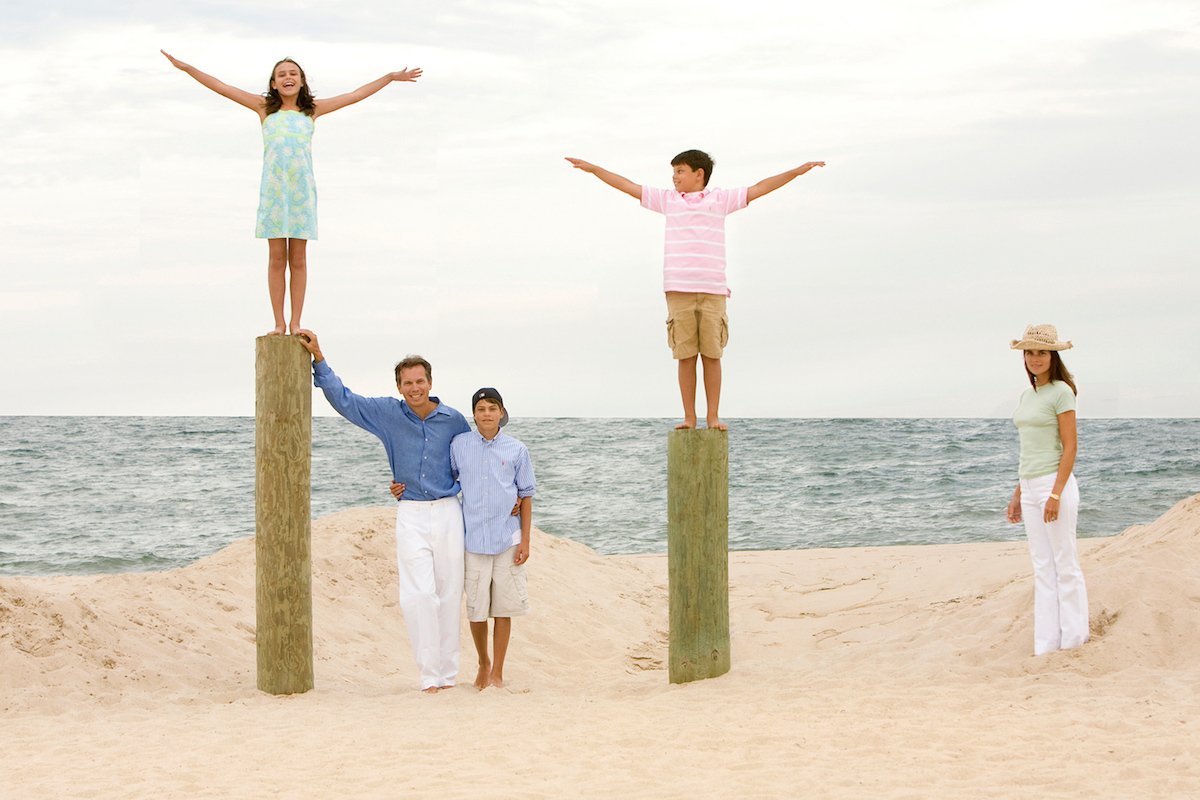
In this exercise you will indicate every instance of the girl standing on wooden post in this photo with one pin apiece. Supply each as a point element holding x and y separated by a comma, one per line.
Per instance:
<point>287,205</point>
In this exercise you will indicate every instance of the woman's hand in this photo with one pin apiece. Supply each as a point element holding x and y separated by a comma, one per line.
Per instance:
<point>1014,509</point>
<point>1051,512</point>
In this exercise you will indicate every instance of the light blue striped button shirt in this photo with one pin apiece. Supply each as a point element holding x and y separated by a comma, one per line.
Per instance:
<point>493,474</point>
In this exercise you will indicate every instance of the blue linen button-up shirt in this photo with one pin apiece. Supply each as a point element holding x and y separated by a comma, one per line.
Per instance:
<point>418,450</point>
<point>493,474</point>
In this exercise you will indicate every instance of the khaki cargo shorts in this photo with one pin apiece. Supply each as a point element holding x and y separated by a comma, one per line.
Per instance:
<point>696,324</point>
<point>494,586</point>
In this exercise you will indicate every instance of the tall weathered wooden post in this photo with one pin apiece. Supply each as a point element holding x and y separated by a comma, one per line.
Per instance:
<point>698,553</point>
<point>282,527</point>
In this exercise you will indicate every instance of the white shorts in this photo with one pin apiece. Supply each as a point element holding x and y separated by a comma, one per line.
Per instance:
<point>494,586</point>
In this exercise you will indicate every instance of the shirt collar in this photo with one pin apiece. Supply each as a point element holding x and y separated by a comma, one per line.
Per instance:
<point>441,407</point>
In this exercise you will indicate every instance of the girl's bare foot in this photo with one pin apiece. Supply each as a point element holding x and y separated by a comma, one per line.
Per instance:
<point>280,330</point>
<point>497,681</point>
<point>716,424</point>
<point>293,328</point>
<point>687,424</point>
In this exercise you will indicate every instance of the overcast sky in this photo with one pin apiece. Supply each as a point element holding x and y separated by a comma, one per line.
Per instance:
<point>990,165</point>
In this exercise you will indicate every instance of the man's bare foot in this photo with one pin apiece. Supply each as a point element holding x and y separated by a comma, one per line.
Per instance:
<point>717,425</point>
<point>432,689</point>
<point>497,681</point>
<point>484,676</point>
<point>687,424</point>
<point>279,331</point>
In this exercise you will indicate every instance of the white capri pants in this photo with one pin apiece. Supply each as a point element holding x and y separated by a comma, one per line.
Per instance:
<point>1060,606</point>
<point>429,559</point>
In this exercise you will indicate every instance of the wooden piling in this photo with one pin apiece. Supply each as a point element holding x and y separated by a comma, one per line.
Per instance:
<point>698,553</point>
<point>282,527</point>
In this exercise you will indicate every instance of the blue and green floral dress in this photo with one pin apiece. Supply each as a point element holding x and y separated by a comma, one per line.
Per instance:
<point>287,197</point>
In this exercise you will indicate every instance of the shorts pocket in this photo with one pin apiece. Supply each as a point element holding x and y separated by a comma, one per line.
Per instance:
<point>518,582</point>
<point>471,590</point>
<point>670,333</point>
<point>724,330</point>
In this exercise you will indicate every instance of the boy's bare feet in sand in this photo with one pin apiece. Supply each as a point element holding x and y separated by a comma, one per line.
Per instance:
<point>483,679</point>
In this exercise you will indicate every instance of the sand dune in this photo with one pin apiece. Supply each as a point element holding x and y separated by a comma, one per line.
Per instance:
<point>902,672</point>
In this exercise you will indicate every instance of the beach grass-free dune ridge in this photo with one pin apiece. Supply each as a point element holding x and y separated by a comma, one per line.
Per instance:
<point>891,672</point>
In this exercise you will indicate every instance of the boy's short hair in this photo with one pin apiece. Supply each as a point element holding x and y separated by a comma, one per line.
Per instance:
<point>414,361</point>
<point>696,159</point>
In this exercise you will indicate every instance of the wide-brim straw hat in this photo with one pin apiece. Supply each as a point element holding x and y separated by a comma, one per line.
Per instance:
<point>1040,337</point>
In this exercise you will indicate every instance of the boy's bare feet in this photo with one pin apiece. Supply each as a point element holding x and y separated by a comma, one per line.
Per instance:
<point>716,424</point>
<point>483,679</point>
<point>687,424</point>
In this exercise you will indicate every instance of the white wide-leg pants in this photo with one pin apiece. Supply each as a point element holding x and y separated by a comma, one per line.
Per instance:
<point>1060,606</point>
<point>429,557</point>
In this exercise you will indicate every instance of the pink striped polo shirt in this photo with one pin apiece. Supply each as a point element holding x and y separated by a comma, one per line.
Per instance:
<point>694,253</point>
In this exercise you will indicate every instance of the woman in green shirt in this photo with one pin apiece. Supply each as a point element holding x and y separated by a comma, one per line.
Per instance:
<point>1047,497</point>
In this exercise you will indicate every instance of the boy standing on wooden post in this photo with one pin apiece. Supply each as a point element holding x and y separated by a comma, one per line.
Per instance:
<point>694,265</point>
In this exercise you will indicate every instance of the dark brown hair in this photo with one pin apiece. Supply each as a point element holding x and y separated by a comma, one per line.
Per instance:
<point>696,159</point>
<point>272,102</point>
<point>1058,372</point>
<point>414,361</point>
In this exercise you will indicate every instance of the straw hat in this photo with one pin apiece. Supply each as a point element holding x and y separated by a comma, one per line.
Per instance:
<point>1040,337</point>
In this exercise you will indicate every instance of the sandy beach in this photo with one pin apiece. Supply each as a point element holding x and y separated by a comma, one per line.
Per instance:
<point>898,672</point>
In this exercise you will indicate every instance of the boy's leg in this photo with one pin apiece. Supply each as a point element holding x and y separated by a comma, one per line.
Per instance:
<point>687,390</point>
<point>712,392</point>
<point>479,635</point>
<point>713,334</point>
<point>477,589</point>
<point>298,266</point>
<point>277,279</point>
<point>500,649</point>
<point>683,339</point>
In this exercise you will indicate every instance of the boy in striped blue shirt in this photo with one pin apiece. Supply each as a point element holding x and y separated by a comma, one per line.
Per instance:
<point>496,474</point>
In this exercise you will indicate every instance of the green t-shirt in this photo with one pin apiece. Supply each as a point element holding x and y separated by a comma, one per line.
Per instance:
<point>1036,419</point>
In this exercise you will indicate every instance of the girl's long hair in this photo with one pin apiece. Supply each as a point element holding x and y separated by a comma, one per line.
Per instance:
<point>1058,372</point>
<point>272,102</point>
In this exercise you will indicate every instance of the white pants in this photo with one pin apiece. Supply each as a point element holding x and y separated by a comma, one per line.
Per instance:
<point>429,558</point>
<point>1060,606</point>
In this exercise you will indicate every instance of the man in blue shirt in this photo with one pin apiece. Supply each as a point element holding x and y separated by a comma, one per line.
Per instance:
<point>416,433</point>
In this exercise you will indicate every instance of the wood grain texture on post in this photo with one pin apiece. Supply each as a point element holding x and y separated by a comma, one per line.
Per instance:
<point>282,515</point>
<point>698,553</point>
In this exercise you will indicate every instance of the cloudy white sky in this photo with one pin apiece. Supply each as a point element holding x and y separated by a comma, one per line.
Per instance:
<point>991,164</point>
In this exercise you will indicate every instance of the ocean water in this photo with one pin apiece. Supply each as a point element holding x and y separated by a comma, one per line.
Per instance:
<point>110,494</point>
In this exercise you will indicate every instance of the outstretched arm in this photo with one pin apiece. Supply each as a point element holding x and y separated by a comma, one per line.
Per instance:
<point>611,178</point>
<point>250,100</point>
<point>771,184</point>
<point>332,104</point>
